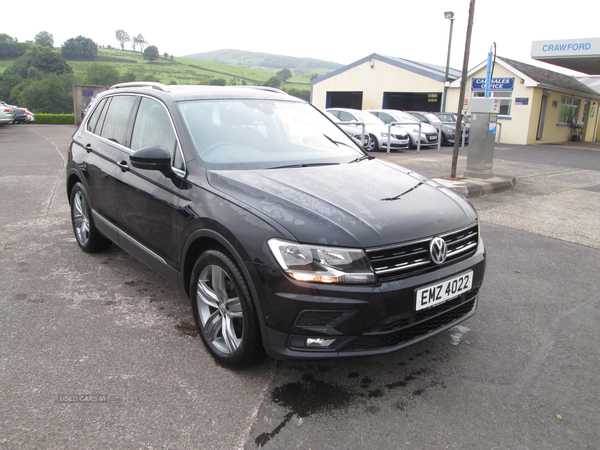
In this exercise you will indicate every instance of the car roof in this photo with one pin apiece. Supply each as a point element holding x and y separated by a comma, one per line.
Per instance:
<point>197,92</point>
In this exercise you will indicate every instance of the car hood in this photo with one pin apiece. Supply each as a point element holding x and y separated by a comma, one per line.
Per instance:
<point>365,204</point>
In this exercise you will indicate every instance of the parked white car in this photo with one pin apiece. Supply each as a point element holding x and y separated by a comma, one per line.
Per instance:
<point>7,114</point>
<point>376,129</point>
<point>429,135</point>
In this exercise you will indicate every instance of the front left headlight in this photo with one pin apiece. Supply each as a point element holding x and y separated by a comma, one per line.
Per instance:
<point>320,264</point>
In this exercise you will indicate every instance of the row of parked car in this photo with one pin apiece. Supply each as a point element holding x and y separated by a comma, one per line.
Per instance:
<point>14,114</point>
<point>410,127</point>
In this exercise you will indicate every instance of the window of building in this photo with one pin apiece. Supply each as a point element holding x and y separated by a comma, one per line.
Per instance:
<point>505,99</point>
<point>569,110</point>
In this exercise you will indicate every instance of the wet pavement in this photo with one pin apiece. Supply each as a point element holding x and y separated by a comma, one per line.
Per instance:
<point>98,352</point>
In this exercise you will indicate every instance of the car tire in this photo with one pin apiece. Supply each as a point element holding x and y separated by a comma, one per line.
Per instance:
<point>411,144</point>
<point>372,145</point>
<point>88,237</point>
<point>224,312</point>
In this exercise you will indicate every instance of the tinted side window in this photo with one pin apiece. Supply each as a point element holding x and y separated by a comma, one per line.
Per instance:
<point>91,125</point>
<point>115,124</point>
<point>153,127</point>
<point>386,117</point>
<point>347,117</point>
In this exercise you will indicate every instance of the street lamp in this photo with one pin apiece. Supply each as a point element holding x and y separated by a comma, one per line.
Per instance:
<point>447,15</point>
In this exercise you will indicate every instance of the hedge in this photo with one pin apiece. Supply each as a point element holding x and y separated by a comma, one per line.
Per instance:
<point>55,119</point>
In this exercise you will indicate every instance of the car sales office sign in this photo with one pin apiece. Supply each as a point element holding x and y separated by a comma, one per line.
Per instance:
<point>496,84</point>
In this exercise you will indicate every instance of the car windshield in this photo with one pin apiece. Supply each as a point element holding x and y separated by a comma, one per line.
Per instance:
<point>404,117</point>
<point>433,118</point>
<point>369,118</point>
<point>264,134</point>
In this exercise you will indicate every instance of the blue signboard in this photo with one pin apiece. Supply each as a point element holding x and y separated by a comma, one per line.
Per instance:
<point>88,92</point>
<point>521,101</point>
<point>497,84</point>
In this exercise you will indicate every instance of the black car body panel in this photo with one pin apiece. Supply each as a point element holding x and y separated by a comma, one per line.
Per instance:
<point>168,218</point>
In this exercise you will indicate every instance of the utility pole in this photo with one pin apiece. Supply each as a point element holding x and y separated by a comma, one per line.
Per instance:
<point>463,85</point>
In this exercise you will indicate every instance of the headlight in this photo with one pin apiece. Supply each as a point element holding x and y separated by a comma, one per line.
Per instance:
<point>385,135</point>
<point>313,263</point>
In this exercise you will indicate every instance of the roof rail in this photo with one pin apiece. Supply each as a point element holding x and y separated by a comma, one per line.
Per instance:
<point>264,88</point>
<point>152,84</point>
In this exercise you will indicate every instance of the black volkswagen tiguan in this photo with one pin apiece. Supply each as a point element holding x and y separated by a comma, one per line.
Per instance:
<point>288,238</point>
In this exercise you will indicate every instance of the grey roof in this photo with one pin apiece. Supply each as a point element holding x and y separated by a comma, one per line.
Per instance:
<point>548,78</point>
<point>432,71</point>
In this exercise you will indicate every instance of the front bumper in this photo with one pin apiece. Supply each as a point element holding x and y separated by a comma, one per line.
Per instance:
<point>343,321</point>
<point>394,142</point>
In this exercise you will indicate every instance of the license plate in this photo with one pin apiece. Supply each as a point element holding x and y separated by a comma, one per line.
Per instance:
<point>438,293</point>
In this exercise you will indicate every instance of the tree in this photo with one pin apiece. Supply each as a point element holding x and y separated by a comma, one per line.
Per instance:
<point>128,77</point>
<point>151,53</point>
<point>53,94</point>
<point>79,48</point>
<point>218,81</point>
<point>44,39</point>
<point>285,74</point>
<point>122,37</point>
<point>43,59</point>
<point>275,82</point>
<point>6,39</point>
<point>102,74</point>
<point>139,40</point>
<point>304,94</point>
<point>33,67</point>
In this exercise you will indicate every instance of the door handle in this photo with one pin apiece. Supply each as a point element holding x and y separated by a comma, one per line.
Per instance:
<point>124,166</point>
<point>88,148</point>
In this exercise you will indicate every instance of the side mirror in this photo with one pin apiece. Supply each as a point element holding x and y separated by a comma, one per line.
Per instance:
<point>152,158</point>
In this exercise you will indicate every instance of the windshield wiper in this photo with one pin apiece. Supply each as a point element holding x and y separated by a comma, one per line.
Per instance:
<point>397,197</point>
<point>336,142</point>
<point>305,165</point>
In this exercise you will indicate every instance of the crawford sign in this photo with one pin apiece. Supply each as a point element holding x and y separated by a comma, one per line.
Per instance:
<point>568,47</point>
<point>497,84</point>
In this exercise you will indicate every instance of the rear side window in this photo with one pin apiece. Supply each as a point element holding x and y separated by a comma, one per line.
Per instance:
<point>115,124</point>
<point>347,117</point>
<point>93,122</point>
<point>153,127</point>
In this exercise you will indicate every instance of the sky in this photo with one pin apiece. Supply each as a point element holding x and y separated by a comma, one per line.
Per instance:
<point>322,29</point>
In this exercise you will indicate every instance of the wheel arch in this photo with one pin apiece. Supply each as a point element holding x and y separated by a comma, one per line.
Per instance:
<point>204,239</point>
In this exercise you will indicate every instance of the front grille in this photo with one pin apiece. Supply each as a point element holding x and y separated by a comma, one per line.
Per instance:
<point>407,329</point>
<point>402,260</point>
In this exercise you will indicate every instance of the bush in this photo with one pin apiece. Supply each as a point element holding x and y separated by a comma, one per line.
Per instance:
<point>55,119</point>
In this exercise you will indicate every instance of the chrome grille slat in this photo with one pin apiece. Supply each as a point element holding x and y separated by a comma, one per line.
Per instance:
<point>401,260</point>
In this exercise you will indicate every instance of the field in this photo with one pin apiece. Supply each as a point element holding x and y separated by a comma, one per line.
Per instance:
<point>178,70</point>
<point>182,70</point>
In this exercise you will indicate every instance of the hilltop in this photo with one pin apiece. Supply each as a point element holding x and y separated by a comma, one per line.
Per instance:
<point>303,67</point>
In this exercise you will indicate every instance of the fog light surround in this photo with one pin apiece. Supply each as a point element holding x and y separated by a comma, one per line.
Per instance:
<point>322,343</point>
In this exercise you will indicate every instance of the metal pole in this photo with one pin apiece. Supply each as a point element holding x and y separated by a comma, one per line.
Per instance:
<point>447,63</point>
<point>463,85</point>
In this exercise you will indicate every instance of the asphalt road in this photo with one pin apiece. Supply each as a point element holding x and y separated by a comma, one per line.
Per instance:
<point>98,352</point>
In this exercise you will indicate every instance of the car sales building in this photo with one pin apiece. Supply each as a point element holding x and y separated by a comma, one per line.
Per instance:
<point>536,105</point>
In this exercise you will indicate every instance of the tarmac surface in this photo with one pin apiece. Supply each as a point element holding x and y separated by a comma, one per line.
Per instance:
<point>99,352</point>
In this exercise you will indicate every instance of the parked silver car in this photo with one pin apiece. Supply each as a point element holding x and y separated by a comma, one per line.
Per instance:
<point>429,135</point>
<point>355,132</point>
<point>447,131</point>
<point>376,129</point>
